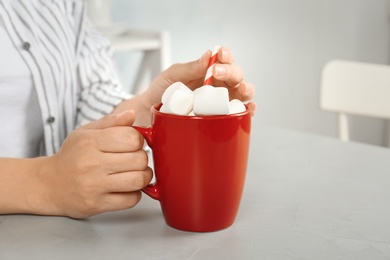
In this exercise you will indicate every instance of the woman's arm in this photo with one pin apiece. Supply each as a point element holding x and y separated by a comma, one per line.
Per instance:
<point>21,186</point>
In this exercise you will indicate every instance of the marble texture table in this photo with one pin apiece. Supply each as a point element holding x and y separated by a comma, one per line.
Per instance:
<point>306,197</point>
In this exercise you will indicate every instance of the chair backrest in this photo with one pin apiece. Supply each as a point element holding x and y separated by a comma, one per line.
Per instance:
<point>355,88</point>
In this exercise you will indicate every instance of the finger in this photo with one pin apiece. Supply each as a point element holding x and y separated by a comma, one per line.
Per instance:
<point>122,162</point>
<point>118,139</point>
<point>225,55</point>
<point>230,74</point>
<point>120,200</point>
<point>244,92</point>
<point>125,118</point>
<point>128,181</point>
<point>252,108</point>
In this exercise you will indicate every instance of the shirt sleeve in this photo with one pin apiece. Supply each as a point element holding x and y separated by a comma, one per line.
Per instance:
<point>99,88</point>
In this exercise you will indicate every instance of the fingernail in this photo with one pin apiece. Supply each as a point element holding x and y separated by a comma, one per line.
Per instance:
<point>220,70</point>
<point>223,54</point>
<point>247,89</point>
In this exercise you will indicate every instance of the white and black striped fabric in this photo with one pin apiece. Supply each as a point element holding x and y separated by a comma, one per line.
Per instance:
<point>69,60</point>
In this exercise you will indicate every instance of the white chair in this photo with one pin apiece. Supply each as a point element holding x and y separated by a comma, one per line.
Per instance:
<point>155,47</point>
<point>355,88</point>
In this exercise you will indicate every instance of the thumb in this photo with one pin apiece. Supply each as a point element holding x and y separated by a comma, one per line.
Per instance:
<point>125,118</point>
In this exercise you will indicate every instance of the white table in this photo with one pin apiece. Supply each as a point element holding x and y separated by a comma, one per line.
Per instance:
<point>306,197</point>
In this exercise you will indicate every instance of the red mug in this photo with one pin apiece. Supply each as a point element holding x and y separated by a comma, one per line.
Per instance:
<point>200,166</point>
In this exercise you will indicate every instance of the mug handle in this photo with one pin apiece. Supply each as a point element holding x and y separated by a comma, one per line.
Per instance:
<point>152,189</point>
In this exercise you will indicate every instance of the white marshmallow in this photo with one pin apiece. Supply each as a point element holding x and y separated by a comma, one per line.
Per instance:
<point>236,106</point>
<point>209,100</point>
<point>179,103</point>
<point>191,113</point>
<point>171,89</point>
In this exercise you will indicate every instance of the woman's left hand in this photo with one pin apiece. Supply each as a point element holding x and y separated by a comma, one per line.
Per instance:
<point>225,74</point>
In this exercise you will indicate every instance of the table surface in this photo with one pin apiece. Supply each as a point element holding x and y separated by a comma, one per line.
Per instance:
<point>306,197</point>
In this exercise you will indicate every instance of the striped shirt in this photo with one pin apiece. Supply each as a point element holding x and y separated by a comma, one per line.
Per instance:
<point>69,60</point>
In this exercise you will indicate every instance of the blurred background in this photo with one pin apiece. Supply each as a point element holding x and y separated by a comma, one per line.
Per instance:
<point>282,46</point>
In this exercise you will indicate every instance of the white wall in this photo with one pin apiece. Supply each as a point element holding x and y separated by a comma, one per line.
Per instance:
<point>281,45</point>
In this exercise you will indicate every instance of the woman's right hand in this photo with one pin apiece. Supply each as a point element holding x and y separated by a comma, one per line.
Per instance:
<point>100,167</point>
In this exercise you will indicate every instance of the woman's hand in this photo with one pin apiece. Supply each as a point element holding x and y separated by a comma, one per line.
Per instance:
<point>100,167</point>
<point>225,74</point>
<point>192,74</point>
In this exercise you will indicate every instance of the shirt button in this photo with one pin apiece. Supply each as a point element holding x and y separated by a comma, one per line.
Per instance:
<point>26,46</point>
<point>50,120</point>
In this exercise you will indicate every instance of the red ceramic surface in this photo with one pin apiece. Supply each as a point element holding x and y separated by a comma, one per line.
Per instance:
<point>200,166</point>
